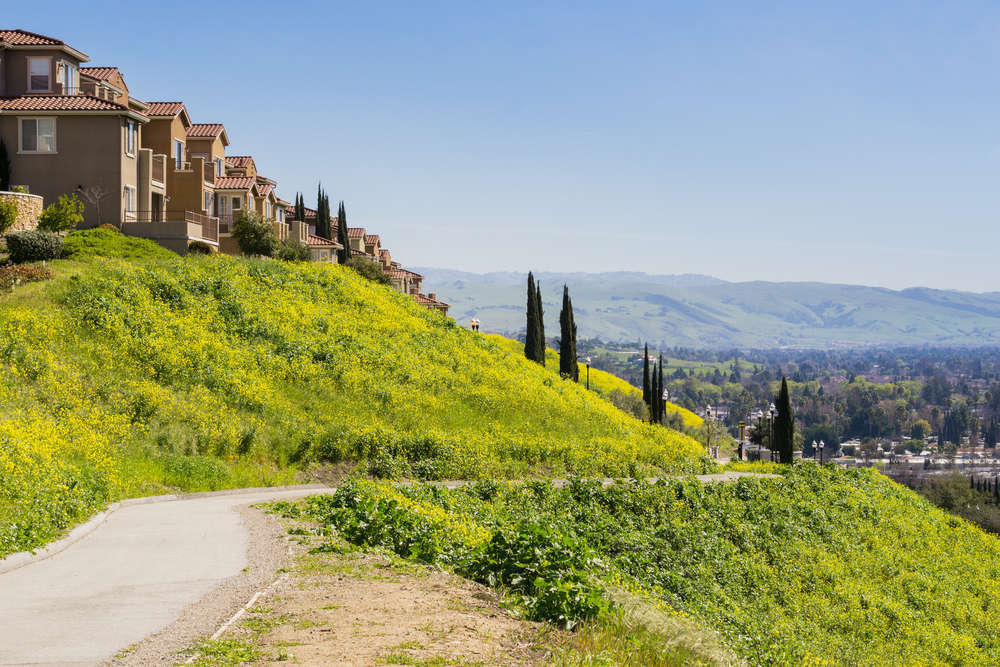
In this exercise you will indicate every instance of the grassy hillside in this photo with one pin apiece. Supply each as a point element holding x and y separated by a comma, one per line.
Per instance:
<point>822,566</point>
<point>129,377</point>
<point>600,381</point>
<point>703,313</point>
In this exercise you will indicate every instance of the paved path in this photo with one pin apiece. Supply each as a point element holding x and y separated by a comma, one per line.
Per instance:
<point>133,575</point>
<point>129,578</point>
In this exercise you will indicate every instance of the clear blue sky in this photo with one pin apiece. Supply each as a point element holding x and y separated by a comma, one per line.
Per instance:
<point>852,142</point>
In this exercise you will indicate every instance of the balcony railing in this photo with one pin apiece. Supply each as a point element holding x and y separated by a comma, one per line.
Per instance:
<point>188,223</point>
<point>159,168</point>
<point>209,173</point>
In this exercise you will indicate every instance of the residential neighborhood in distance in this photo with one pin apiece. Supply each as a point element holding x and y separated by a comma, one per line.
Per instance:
<point>144,167</point>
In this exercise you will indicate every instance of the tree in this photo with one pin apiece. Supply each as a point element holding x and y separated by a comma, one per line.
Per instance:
<point>784,424</point>
<point>300,207</point>
<point>645,376</point>
<point>654,407</point>
<point>254,234</point>
<point>344,254</point>
<point>293,250</point>
<point>534,335</point>
<point>567,341</point>
<point>322,213</point>
<point>371,270</point>
<point>63,215</point>
<point>659,394</point>
<point>4,167</point>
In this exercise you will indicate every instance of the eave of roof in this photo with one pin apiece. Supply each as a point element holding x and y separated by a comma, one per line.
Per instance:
<point>23,39</point>
<point>67,104</point>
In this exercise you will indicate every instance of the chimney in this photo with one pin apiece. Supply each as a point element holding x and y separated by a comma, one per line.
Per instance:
<point>432,296</point>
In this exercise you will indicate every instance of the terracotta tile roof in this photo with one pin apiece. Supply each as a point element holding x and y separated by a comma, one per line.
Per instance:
<point>101,73</point>
<point>169,109</point>
<point>25,38</point>
<point>411,273</point>
<point>284,202</point>
<point>264,188</point>
<point>384,253</point>
<point>239,161</point>
<point>205,130</point>
<point>319,240</point>
<point>356,232</point>
<point>425,300</point>
<point>372,239</point>
<point>58,103</point>
<point>234,183</point>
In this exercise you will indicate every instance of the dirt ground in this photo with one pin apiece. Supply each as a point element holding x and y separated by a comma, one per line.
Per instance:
<point>342,606</point>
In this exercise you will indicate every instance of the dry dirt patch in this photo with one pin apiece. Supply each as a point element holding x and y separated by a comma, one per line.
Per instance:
<point>343,606</point>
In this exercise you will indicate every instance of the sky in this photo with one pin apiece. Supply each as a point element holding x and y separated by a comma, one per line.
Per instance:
<point>850,142</point>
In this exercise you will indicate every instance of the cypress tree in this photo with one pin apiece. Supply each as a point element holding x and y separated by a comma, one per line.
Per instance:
<point>342,237</point>
<point>784,424</point>
<point>531,325</point>
<point>540,323</point>
<point>4,167</point>
<point>645,376</point>
<point>653,407</point>
<point>567,343</point>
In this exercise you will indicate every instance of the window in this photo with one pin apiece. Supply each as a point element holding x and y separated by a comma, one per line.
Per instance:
<point>130,132</point>
<point>237,203</point>
<point>208,202</point>
<point>38,135</point>
<point>68,75</point>
<point>39,71</point>
<point>179,153</point>
<point>218,167</point>
<point>129,203</point>
<point>267,210</point>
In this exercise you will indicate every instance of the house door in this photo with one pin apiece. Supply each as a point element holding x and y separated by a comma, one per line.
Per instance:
<point>157,204</point>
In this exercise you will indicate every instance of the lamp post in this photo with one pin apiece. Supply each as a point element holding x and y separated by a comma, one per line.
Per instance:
<point>770,441</point>
<point>587,361</point>
<point>822,446</point>
<point>815,451</point>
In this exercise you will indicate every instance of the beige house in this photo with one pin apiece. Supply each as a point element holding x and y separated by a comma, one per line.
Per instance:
<point>62,140</point>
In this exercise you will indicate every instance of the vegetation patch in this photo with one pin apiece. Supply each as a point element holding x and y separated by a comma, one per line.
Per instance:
<point>105,242</point>
<point>821,565</point>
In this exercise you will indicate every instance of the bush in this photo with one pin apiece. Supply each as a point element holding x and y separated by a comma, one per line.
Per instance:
<point>8,214</point>
<point>291,250</point>
<point>369,269</point>
<point>12,275</point>
<point>199,248</point>
<point>109,242</point>
<point>630,403</point>
<point>62,216</point>
<point>33,246</point>
<point>254,234</point>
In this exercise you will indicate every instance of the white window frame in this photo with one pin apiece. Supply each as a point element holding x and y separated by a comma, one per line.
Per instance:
<point>48,77</point>
<point>131,198</point>
<point>131,137</point>
<point>267,209</point>
<point>208,202</point>
<point>179,154</point>
<point>69,87</point>
<point>20,135</point>
<point>218,167</point>
<point>237,204</point>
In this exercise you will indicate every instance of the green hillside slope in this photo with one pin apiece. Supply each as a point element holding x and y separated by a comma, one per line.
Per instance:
<point>716,314</point>
<point>123,378</point>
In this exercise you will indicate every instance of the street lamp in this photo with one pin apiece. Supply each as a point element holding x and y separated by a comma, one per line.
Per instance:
<point>743,430</point>
<point>822,446</point>
<point>587,361</point>
<point>770,442</point>
<point>815,450</point>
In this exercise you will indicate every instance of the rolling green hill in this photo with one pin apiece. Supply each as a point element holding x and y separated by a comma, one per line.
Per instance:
<point>123,377</point>
<point>697,311</point>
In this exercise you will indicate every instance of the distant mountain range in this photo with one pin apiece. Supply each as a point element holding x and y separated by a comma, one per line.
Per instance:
<point>701,311</point>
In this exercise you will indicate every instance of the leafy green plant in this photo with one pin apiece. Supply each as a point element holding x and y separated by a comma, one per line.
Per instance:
<point>291,250</point>
<point>33,246</point>
<point>63,215</point>
<point>109,242</point>
<point>369,269</point>
<point>15,274</point>
<point>8,214</point>
<point>254,234</point>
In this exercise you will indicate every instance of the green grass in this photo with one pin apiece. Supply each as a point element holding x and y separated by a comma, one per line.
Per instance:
<point>821,565</point>
<point>104,242</point>
<point>123,377</point>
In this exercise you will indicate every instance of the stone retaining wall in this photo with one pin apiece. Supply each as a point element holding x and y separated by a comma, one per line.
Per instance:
<point>29,207</point>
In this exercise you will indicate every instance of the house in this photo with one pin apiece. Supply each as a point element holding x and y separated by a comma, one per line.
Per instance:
<point>321,249</point>
<point>63,140</point>
<point>431,302</point>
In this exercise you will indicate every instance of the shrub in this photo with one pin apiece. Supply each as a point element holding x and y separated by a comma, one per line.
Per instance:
<point>8,214</point>
<point>199,248</point>
<point>63,215</point>
<point>291,250</point>
<point>33,246</point>
<point>13,274</point>
<point>105,242</point>
<point>254,234</point>
<point>369,269</point>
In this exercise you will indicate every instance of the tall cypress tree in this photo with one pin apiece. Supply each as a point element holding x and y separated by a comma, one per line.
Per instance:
<point>540,323</point>
<point>784,424</point>
<point>531,325</point>
<point>653,407</point>
<point>343,239</point>
<point>646,389</point>
<point>567,342</point>
<point>300,207</point>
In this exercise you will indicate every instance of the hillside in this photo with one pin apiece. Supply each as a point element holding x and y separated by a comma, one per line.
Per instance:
<point>697,311</point>
<point>131,377</point>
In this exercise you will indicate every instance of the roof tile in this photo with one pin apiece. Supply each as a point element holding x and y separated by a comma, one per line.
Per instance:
<point>101,73</point>
<point>169,109</point>
<point>205,130</point>
<point>58,103</point>
<point>234,183</point>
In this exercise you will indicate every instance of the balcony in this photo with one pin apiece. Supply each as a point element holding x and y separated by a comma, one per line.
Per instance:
<point>175,230</point>
<point>159,169</point>
<point>209,171</point>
